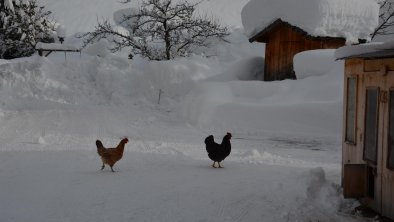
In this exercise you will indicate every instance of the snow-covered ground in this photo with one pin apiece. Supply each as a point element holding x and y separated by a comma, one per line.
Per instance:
<point>285,163</point>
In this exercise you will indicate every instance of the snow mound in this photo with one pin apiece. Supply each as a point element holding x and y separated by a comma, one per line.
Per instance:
<point>175,78</point>
<point>323,61</point>
<point>302,106</point>
<point>56,46</point>
<point>322,198</point>
<point>245,69</point>
<point>97,80</point>
<point>91,80</point>
<point>100,48</point>
<point>321,192</point>
<point>263,157</point>
<point>351,19</point>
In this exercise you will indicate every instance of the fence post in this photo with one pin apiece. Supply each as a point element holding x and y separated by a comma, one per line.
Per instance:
<point>160,92</point>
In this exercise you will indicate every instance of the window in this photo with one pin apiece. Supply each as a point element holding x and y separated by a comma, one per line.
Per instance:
<point>371,125</point>
<point>350,134</point>
<point>390,161</point>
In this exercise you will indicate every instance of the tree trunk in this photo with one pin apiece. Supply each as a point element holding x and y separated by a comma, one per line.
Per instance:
<point>167,40</point>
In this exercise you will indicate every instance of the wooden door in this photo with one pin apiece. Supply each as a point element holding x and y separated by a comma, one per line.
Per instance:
<point>387,180</point>
<point>380,90</point>
<point>372,133</point>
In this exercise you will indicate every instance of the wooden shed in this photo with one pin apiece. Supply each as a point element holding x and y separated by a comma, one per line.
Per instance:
<point>368,130</point>
<point>283,41</point>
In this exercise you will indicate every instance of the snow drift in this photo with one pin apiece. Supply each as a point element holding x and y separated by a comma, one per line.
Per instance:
<point>323,62</point>
<point>309,105</point>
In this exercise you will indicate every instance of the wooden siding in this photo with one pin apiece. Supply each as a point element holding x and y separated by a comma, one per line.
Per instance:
<point>372,73</point>
<point>283,42</point>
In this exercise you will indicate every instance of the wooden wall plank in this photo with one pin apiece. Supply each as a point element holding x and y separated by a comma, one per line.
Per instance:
<point>283,43</point>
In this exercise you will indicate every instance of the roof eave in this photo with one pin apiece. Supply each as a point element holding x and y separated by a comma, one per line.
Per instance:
<point>389,53</point>
<point>263,38</point>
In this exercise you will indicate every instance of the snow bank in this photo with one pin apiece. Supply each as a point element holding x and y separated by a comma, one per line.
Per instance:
<point>100,48</point>
<point>321,194</point>
<point>320,191</point>
<point>351,19</point>
<point>309,105</point>
<point>175,78</point>
<point>85,80</point>
<point>56,46</point>
<point>245,69</point>
<point>194,87</point>
<point>253,108</point>
<point>96,80</point>
<point>323,61</point>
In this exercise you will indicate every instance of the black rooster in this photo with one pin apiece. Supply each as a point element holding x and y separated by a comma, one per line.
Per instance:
<point>218,152</point>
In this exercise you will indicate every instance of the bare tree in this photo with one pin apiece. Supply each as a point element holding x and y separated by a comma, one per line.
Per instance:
<point>160,30</point>
<point>386,19</point>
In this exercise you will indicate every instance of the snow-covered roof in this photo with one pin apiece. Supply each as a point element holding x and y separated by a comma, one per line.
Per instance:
<point>350,19</point>
<point>370,50</point>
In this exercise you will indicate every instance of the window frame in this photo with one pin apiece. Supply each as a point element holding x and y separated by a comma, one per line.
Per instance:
<point>374,162</point>
<point>348,140</point>
<point>390,148</point>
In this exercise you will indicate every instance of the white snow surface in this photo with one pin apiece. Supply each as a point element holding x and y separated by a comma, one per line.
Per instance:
<point>324,60</point>
<point>285,163</point>
<point>350,19</point>
<point>55,46</point>
<point>354,50</point>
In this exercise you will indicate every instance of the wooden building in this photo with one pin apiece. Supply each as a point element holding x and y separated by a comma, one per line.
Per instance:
<point>368,130</point>
<point>283,41</point>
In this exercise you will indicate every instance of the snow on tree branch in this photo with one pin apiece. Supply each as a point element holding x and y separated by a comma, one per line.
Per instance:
<point>22,27</point>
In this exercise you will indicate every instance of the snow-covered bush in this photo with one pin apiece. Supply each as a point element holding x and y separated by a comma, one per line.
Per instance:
<point>22,24</point>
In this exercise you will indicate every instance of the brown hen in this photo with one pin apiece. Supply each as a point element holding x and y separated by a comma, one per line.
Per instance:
<point>110,156</point>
